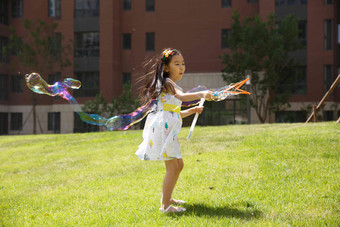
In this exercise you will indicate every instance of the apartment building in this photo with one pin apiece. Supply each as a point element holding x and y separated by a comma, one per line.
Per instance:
<point>112,38</point>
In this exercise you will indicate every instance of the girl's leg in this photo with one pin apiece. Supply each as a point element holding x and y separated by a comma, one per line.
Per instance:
<point>179,170</point>
<point>173,169</point>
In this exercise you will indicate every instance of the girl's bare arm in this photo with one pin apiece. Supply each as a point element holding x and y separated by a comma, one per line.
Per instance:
<point>193,110</point>
<point>185,97</point>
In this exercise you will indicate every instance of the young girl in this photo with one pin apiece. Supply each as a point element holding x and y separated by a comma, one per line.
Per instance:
<point>165,121</point>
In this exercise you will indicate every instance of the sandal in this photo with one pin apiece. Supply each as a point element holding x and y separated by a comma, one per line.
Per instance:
<point>179,209</point>
<point>177,201</point>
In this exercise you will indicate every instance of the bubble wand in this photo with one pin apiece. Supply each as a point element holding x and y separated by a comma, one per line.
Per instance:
<point>221,94</point>
<point>195,120</point>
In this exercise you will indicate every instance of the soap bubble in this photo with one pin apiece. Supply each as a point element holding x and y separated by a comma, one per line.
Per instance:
<point>120,122</point>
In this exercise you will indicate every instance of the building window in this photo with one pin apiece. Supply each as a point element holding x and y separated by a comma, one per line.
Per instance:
<point>17,8</point>
<point>3,87</point>
<point>253,1</point>
<point>291,2</point>
<point>54,8</point>
<point>3,46</point>
<point>328,115</point>
<point>4,12</point>
<point>90,84</point>
<point>279,2</point>
<point>86,44</point>
<point>81,126</point>
<point>86,8</point>
<point>290,116</point>
<point>302,26</point>
<point>300,84</point>
<point>126,78</point>
<point>150,41</point>
<point>127,41</point>
<point>225,38</point>
<point>150,5</point>
<point>54,122</point>
<point>52,78</point>
<point>328,2</point>
<point>229,111</point>
<point>226,3</point>
<point>16,121</point>
<point>339,36</point>
<point>328,77</point>
<point>3,123</point>
<point>126,5</point>
<point>328,34</point>
<point>17,82</point>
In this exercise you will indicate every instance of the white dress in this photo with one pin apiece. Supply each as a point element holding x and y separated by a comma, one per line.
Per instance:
<point>161,129</point>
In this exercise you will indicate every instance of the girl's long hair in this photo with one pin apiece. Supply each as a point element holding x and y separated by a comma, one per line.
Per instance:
<point>154,79</point>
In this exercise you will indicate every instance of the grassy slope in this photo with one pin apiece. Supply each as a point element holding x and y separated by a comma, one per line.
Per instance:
<point>278,174</point>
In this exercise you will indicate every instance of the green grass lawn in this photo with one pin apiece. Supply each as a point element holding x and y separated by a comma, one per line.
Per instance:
<point>265,175</point>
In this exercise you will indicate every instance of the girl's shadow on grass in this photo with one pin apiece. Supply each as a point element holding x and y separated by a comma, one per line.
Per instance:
<point>199,209</point>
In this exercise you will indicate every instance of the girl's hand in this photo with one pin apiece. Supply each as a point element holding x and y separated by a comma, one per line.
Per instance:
<point>207,95</point>
<point>198,109</point>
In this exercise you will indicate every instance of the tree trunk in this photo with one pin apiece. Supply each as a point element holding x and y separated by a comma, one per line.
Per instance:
<point>259,115</point>
<point>269,101</point>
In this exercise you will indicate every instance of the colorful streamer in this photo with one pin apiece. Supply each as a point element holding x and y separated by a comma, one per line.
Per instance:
<point>219,93</point>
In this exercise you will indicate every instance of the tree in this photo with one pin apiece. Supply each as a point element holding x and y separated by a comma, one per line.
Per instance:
<point>125,104</point>
<point>40,49</point>
<point>264,48</point>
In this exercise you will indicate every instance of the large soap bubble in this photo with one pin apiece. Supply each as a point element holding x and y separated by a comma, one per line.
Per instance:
<point>120,122</point>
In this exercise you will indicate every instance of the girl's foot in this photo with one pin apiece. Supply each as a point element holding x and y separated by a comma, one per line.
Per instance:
<point>176,201</point>
<point>171,209</point>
